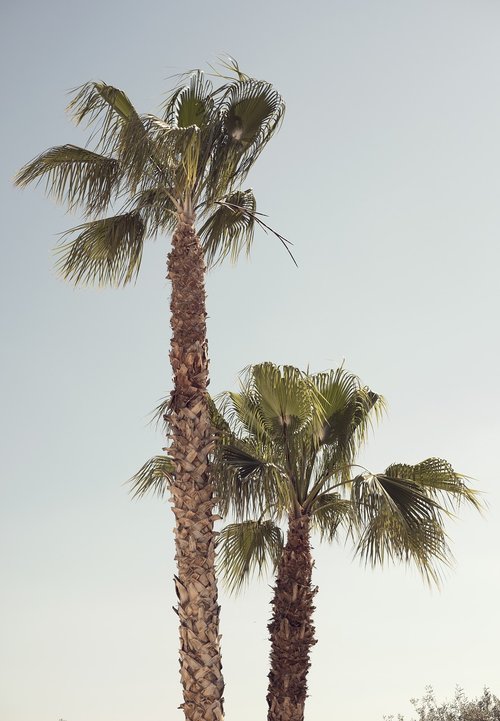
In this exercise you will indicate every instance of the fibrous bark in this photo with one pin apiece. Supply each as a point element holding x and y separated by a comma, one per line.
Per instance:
<point>291,628</point>
<point>191,491</point>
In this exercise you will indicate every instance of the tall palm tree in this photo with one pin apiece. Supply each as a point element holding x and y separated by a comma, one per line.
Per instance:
<point>164,174</point>
<point>287,453</point>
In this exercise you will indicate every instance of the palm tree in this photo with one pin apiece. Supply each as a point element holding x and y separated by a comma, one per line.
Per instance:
<point>287,453</point>
<point>164,174</point>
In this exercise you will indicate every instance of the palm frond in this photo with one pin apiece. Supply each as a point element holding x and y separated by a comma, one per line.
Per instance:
<point>242,461</point>
<point>347,405</point>
<point>400,522</point>
<point>175,152</point>
<point>154,477</point>
<point>75,175</point>
<point>120,131</point>
<point>329,512</point>
<point>283,394</point>
<point>250,111</point>
<point>439,479</point>
<point>98,100</point>
<point>245,548</point>
<point>157,208</point>
<point>106,251</point>
<point>245,483</point>
<point>191,103</point>
<point>230,228</point>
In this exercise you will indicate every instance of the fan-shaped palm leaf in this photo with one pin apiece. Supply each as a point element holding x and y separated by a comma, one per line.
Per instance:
<point>76,175</point>
<point>246,548</point>
<point>439,480</point>
<point>119,130</point>
<point>230,228</point>
<point>330,512</point>
<point>104,251</point>
<point>153,477</point>
<point>191,103</point>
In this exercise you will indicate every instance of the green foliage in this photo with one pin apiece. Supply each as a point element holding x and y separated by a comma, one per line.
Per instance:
<point>152,171</point>
<point>248,547</point>
<point>290,447</point>
<point>153,477</point>
<point>106,251</point>
<point>484,708</point>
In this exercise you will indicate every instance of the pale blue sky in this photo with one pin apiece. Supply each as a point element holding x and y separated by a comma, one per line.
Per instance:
<point>386,177</point>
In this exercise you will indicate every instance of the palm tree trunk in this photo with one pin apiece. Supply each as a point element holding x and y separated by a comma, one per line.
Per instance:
<point>291,628</point>
<point>192,498</point>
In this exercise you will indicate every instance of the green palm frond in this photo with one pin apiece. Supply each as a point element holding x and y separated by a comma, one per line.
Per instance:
<point>74,174</point>
<point>345,431</point>
<point>400,522</point>
<point>242,461</point>
<point>157,208</point>
<point>120,131</point>
<point>439,479</point>
<point>191,103</point>
<point>250,111</point>
<point>154,477</point>
<point>245,482</point>
<point>245,548</point>
<point>348,407</point>
<point>106,251</point>
<point>230,228</point>
<point>99,101</point>
<point>284,396</point>
<point>329,512</point>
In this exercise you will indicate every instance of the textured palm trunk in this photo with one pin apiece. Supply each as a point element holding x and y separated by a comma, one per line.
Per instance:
<point>192,497</point>
<point>291,628</point>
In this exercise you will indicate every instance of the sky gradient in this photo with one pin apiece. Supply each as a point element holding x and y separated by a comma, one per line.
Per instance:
<point>386,178</point>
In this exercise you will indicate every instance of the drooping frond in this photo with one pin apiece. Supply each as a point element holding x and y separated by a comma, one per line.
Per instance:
<point>99,101</point>
<point>120,131</point>
<point>329,512</point>
<point>157,208</point>
<point>230,228</point>
<point>76,175</point>
<point>439,480</point>
<point>106,251</point>
<point>246,484</point>
<point>154,477</point>
<point>400,522</point>
<point>245,548</point>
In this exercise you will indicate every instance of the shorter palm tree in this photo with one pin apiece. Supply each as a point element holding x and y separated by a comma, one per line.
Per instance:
<point>287,452</point>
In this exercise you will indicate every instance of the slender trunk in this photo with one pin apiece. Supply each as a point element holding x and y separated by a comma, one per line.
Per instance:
<point>291,628</point>
<point>192,497</point>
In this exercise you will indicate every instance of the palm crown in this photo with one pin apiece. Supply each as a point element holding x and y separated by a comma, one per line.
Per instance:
<point>155,170</point>
<point>288,449</point>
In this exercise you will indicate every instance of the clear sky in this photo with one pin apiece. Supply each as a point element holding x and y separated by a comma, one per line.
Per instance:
<point>386,177</point>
